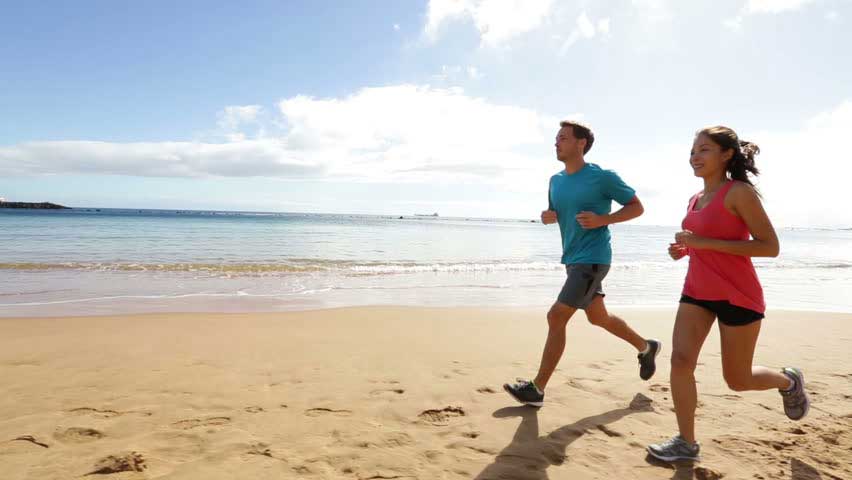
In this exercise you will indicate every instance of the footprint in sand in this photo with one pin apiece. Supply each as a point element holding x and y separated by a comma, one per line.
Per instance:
<point>658,388</point>
<point>317,412</point>
<point>609,432</point>
<point>126,462</point>
<point>830,438</point>
<point>699,404</point>
<point>388,440</point>
<point>442,416</point>
<point>261,449</point>
<point>202,422</point>
<point>586,379</point>
<point>486,390</point>
<point>704,473</point>
<point>96,412</point>
<point>726,396</point>
<point>387,391</point>
<point>31,439</point>
<point>254,409</point>
<point>78,435</point>
<point>481,450</point>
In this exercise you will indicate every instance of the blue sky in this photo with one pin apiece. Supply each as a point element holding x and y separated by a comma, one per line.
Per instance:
<point>403,107</point>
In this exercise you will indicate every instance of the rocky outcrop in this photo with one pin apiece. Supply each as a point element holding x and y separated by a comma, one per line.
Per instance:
<point>40,206</point>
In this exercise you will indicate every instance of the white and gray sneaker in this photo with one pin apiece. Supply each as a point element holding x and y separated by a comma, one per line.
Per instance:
<point>673,449</point>
<point>796,401</point>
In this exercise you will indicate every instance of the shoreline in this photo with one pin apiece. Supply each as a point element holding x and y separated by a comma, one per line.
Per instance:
<point>542,309</point>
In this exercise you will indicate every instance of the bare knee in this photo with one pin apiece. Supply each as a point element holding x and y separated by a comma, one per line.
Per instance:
<point>600,320</point>
<point>682,362</point>
<point>738,382</point>
<point>556,318</point>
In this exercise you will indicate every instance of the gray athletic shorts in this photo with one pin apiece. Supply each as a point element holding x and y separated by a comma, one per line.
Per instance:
<point>583,284</point>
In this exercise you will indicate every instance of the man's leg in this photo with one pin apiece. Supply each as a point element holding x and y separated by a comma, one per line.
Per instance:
<point>597,314</point>
<point>557,320</point>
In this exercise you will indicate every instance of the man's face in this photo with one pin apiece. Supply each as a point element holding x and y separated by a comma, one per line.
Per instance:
<point>566,145</point>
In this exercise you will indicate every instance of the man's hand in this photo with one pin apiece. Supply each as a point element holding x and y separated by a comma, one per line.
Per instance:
<point>677,251</point>
<point>590,220</point>
<point>548,217</point>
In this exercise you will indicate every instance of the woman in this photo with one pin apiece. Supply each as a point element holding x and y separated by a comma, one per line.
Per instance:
<point>725,225</point>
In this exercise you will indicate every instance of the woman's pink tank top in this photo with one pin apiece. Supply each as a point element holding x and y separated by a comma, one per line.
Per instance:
<point>715,275</point>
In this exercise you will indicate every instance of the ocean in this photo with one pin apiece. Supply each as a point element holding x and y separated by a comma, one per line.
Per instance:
<point>120,261</point>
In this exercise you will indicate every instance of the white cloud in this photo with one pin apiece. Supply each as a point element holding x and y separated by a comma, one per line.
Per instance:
<point>454,73</point>
<point>396,27</point>
<point>496,20</point>
<point>832,16</point>
<point>802,174</point>
<point>603,26</point>
<point>774,6</point>
<point>805,172</point>
<point>231,117</point>
<point>585,29</point>
<point>395,133</point>
<point>448,72</point>
<point>759,7</point>
<point>653,11</point>
<point>156,159</point>
<point>735,23</point>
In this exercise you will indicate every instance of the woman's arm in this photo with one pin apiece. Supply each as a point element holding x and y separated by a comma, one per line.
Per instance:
<point>745,203</point>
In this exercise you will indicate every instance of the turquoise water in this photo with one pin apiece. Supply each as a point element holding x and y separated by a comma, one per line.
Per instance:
<point>88,261</point>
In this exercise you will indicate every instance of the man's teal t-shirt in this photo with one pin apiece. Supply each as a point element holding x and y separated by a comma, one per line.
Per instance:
<point>592,189</point>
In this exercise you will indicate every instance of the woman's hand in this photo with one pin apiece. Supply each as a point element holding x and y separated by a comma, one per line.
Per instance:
<point>688,239</point>
<point>677,251</point>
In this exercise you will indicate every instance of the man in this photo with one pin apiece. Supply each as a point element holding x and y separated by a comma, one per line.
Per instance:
<point>580,200</point>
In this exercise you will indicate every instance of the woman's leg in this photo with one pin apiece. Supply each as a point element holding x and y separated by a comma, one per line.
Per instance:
<point>692,325</point>
<point>738,344</point>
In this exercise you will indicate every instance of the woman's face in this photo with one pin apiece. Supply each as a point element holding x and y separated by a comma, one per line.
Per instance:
<point>707,158</point>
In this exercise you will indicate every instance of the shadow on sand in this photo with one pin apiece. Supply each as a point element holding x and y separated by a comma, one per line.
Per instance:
<point>529,455</point>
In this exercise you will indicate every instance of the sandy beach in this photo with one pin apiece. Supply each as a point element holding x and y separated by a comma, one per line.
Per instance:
<point>392,392</point>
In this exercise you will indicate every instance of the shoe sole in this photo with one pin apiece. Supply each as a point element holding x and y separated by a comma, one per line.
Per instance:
<point>659,349</point>
<point>530,404</point>
<point>671,459</point>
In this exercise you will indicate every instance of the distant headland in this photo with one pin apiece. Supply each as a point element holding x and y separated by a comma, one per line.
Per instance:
<point>39,205</point>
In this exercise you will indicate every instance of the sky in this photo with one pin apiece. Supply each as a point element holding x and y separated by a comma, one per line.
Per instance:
<point>396,108</point>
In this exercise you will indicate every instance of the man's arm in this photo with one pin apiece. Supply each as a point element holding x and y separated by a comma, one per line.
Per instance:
<point>629,211</point>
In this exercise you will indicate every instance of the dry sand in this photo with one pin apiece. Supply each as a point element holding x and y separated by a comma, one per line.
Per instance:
<point>386,393</point>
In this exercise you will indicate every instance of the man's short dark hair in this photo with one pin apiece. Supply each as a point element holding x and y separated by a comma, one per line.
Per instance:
<point>581,131</point>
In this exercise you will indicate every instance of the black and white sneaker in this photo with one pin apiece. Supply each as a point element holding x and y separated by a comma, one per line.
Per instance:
<point>647,361</point>
<point>525,392</point>
<point>674,449</point>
